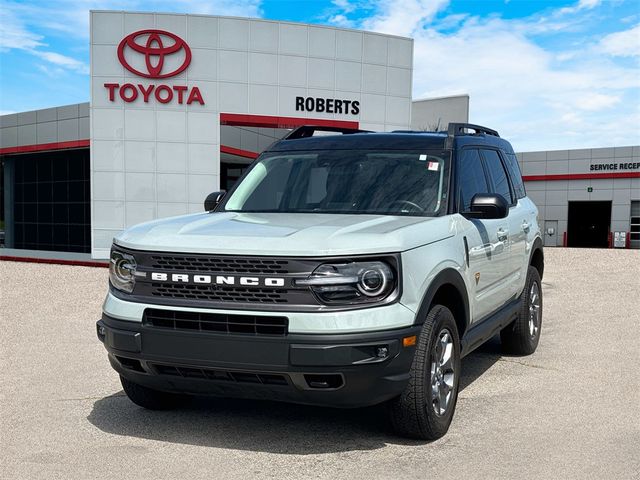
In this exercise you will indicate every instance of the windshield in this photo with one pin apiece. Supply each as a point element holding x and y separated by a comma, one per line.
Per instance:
<point>345,181</point>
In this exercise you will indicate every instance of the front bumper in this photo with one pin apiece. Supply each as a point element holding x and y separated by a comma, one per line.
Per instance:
<point>340,370</point>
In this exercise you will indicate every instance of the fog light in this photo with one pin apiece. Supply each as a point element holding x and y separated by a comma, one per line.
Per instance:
<point>382,352</point>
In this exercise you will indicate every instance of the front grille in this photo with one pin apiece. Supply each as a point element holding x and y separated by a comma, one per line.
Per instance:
<point>218,293</point>
<point>220,375</point>
<point>187,263</point>
<point>217,322</point>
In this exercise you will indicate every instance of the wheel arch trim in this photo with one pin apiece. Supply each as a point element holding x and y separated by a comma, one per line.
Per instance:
<point>448,276</point>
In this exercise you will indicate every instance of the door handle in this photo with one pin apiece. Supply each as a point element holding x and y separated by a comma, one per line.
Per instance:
<point>503,235</point>
<point>526,226</point>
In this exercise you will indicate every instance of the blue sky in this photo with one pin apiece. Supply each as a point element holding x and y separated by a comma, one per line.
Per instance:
<point>546,74</point>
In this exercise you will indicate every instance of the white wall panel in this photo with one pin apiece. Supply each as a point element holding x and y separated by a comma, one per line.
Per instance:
<point>348,45</point>
<point>138,21</point>
<point>292,70</point>
<point>139,212</point>
<point>293,39</point>
<point>171,125</point>
<point>233,97</point>
<point>109,66</point>
<point>140,187</point>
<point>108,186</point>
<point>106,27</point>
<point>263,68</point>
<point>108,155</point>
<point>349,76</point>
<point>263,99</point>
<point>233,66</point>
<point>264,37</point>
<point>374,79</point>
<point>171,157</point>
<point>375,49</point>
<point>321,73</point>
<point>172,187</point>
<point>140,156</point>
<point>400,52</point>
<point>202,158</point>
<point>139,125</point>
<point>398,81</point>
<point>173,23</point>
<point>204,65</point>
<point>202,32</point>
<point>322,42</point>
<point>234,33</point>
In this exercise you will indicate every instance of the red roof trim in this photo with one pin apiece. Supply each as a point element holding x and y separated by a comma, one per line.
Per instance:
<point>40,147</point>
<point>239,152</point>
<point>269,121</point>
<point>580,176</point>
<point>57,261</point>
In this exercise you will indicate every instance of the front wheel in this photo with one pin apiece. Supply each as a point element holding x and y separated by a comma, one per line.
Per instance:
<point>521,337</point>
<point>425,409</point>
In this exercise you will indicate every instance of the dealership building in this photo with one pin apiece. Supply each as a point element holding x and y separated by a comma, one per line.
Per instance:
<point>181,104</point>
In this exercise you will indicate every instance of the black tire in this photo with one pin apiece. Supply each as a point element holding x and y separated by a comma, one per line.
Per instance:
<point>413,413</point>
<point>149,398</point>
<point>522,336</point>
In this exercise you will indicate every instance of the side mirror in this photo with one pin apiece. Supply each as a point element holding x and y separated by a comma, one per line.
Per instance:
<point>213,200</point>
<point>488,206</point>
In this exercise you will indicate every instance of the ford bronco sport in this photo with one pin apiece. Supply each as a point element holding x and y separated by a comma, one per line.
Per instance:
<point>347,270</point>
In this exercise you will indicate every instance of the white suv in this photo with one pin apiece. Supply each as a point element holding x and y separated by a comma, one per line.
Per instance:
<point>344,270</point>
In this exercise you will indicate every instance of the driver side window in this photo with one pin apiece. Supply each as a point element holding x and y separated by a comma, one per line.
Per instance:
<point>471,177</point>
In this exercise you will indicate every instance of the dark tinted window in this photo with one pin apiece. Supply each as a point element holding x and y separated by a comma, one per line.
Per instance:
<point>345,181</point>
<point>516,176</point>
<point>497,174</point>
<point>471,179</point>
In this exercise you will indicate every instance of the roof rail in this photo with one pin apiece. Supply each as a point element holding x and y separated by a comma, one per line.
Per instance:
<point>306,131</point>
<point>457,129</point>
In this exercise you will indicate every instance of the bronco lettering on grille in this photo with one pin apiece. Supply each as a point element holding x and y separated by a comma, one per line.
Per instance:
<point>217,279</point>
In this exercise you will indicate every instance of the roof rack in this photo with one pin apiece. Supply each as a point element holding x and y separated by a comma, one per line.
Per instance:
<point>457,129</point>
<point>308,130</point>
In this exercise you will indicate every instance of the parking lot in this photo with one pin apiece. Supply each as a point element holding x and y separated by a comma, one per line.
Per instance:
<point>569,411</point>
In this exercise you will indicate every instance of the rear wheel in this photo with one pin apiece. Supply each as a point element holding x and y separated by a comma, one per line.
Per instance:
<point>425,409</point>
<point>523,335</point>
<point>150,398</point>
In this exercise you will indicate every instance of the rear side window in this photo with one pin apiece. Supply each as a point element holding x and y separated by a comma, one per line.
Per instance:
<point>516,176</point>
<point>497,174</point>
<point>471,179</point>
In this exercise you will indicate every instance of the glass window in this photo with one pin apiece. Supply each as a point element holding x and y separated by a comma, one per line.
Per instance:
<point>345,181</point>
<point>516,175</point>
<point>51,201</point>
<point>471,178</point>
<point>497,175</point>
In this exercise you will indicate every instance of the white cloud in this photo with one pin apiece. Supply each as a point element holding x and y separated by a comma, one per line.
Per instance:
<point>402,17</point>
<point>581,5</point>
<point>622,44</point>
<point>62,61</point>
<point>341,20</point>
<point>13,33</point>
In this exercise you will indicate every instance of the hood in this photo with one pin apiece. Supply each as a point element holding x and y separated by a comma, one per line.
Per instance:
<point>286,234</point>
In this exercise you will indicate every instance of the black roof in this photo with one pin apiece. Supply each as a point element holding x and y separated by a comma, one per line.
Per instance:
<point>388,141</point>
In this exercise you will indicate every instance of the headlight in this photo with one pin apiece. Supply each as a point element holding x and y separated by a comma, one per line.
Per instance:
<point>122,271</point>
<point>349,283</point>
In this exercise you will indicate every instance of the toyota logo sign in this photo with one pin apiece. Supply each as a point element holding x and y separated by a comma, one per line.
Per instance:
<point>154,51</point>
